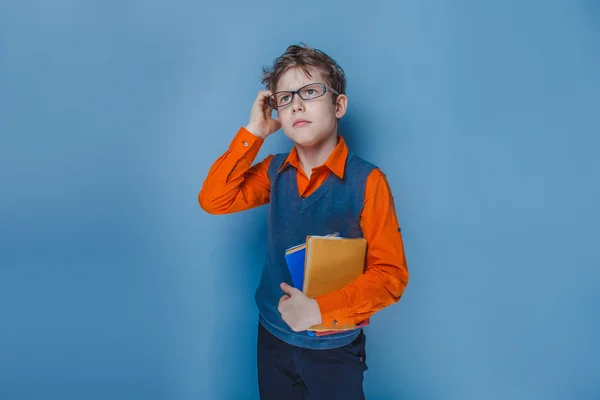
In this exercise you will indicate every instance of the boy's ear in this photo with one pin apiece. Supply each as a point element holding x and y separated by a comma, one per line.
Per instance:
<point>341,105</point>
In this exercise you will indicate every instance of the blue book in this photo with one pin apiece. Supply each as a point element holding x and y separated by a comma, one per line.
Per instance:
<point>294,258</point>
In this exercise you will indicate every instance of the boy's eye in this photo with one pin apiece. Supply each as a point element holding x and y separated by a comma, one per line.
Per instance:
<point>284,98</point>
<point>310,91</point>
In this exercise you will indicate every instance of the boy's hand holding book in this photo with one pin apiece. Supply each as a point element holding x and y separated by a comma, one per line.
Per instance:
<point>299,311</point>
<point>324,264</point>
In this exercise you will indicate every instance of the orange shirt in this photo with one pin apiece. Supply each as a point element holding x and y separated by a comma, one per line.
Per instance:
<point>233,185</point>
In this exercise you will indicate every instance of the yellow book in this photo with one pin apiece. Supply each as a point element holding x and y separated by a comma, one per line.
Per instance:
<point>330,264</point>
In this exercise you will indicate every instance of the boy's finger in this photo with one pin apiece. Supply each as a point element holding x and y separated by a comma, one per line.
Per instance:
<point>281,300</point>
<point>288,289</point>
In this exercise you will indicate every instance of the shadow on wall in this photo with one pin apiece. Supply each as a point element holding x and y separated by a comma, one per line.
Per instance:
<point>352,127</point>
<point>232,358</point>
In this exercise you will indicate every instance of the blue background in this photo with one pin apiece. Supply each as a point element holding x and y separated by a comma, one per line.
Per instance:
<point>114,284</point>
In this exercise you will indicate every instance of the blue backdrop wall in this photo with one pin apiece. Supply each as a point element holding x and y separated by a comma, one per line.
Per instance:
<point>114,284</point>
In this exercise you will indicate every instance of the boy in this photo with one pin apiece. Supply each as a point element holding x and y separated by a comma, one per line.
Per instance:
<point>316,189</point>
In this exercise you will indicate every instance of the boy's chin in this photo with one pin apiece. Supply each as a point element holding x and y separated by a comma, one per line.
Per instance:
<point>304,141</point>
<point>307,139</point>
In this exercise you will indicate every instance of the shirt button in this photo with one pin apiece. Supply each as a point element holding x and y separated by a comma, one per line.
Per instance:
<point>334,322</point>
<point>245,144</point>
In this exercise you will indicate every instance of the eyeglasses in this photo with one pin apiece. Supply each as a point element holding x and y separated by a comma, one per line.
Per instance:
<point>308,92</point>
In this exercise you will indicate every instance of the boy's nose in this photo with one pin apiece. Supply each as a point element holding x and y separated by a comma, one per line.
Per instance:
<point>297,103</point>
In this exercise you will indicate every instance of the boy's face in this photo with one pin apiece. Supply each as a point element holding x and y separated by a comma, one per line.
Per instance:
<point>320,114</point>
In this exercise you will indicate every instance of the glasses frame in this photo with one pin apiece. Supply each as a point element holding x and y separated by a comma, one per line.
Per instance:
<point>294,92</point>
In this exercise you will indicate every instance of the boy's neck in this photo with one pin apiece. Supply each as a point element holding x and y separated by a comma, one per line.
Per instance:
<point>312,157</point>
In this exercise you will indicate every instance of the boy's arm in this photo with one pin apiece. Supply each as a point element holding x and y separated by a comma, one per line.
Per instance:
<point>386,272</point>
<point>234,185</point>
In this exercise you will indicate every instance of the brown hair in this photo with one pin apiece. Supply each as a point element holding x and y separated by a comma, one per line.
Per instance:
<point>305,57</point>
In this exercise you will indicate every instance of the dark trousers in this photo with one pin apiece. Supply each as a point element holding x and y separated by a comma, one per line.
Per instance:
<point>293,373</point>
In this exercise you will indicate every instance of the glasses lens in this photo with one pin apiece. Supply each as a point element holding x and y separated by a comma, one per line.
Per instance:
<point>312,91</point>
<point>282,98</point>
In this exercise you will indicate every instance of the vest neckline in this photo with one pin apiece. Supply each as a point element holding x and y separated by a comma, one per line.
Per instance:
<point>322,189</point>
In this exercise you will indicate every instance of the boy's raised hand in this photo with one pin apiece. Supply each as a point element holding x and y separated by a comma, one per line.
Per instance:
<point>261,123</point>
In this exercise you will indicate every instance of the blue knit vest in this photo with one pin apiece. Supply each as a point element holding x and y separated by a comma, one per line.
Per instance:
<point>335,206</point>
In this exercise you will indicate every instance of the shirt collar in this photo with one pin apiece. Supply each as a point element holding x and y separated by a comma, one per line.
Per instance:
<point>336,161</point>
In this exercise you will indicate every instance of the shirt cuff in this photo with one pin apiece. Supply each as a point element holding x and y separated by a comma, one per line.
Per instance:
<point>334,310</point>
<point>244,140</point>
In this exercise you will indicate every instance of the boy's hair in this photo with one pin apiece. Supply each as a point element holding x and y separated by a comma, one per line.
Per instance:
<point>305,57</point>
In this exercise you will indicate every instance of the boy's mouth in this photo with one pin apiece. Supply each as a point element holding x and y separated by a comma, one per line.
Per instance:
<point>300,122</point>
